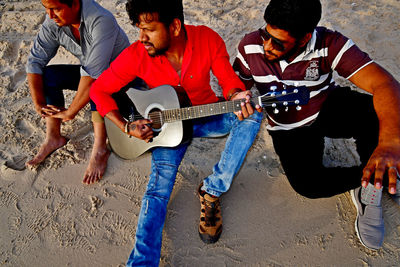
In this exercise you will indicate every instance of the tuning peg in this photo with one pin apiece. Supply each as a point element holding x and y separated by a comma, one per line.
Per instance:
<point>295,91</point>
<point>297,102</point>
<point>276,111</point>
<point>285,103</point>
<point>298,108</point>
<point>273,88</point>
<point>286,109</point>
<point>273,105</point>
<point>284,92</point>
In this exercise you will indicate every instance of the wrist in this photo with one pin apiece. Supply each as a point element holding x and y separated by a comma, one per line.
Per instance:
<point>39,107</point>
<point>232,93</point>
<point>70,113</point>
<point>126,128</point>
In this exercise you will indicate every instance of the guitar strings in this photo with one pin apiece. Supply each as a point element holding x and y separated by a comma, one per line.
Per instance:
<point>157,117</point>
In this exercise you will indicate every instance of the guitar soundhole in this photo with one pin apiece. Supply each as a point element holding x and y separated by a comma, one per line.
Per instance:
<point>155,116</point>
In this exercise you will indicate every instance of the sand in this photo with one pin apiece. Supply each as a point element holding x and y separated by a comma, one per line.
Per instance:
<point>49,218</point>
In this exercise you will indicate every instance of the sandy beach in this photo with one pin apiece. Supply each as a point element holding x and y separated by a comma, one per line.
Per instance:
<point>50,218</point>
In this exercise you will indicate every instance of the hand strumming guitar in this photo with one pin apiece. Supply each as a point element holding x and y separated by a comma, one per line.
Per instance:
<point>140,129</point>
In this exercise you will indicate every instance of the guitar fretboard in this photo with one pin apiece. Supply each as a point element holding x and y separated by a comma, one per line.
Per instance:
<point>296,96</point>
<point>188,113</point>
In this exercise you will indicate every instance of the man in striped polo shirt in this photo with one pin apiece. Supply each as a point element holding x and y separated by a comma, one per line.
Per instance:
<point>290,50</point>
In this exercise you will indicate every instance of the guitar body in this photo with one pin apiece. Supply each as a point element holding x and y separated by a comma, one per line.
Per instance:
<point>169,135</point>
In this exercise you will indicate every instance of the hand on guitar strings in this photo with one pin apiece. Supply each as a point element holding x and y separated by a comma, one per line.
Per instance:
<point>247,108</point>
<point>141,129</point>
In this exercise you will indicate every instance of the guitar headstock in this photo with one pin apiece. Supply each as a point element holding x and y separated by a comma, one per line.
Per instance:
<point>288,96</point>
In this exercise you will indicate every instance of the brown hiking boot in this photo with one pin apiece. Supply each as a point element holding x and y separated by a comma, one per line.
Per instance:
<point>210,226</point>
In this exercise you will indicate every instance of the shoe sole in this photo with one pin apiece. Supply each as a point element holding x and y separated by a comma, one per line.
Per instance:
<point>353,198</point>
<point>210,239</point>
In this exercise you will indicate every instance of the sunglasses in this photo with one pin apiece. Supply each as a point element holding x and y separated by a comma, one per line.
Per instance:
<point>276,43</point>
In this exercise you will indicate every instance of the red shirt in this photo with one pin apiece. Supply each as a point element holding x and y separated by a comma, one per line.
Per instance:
<point>205,50</point>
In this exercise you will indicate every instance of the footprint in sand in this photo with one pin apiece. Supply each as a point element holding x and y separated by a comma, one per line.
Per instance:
<point>17,79</point>
<point>8,198</point>
<point>16,163</point>
<point>24,127</point>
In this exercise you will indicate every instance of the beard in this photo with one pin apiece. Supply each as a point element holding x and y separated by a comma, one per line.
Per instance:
<point>294,52</point>
<point>288,56</point>
<point>157,51</point>
<point>271,57</point>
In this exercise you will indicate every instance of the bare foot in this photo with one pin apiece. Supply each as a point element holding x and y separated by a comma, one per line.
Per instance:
<point>48,147</point>
<point>97,166</point>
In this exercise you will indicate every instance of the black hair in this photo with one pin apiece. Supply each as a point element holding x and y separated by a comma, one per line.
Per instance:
<point>66,2</point>
<point>298,17</point>
<point>167,10</point>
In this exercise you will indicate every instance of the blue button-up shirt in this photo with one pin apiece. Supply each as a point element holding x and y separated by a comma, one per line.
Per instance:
<point>102,40</point>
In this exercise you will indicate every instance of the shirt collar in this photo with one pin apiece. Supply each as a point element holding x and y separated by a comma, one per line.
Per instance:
<point>189,36</point>
<point>187,56</point>
<point>311,44</point>
<point>84,9</point>
<point>309,49</point>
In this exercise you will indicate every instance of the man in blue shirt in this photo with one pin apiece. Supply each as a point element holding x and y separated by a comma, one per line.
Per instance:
<point>92,34</point>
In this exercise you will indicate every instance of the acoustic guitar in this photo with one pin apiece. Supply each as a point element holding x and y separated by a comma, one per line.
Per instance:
<point>163,107</point>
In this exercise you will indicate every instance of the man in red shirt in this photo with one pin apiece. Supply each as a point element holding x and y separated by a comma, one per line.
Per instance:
<point>169,52</point>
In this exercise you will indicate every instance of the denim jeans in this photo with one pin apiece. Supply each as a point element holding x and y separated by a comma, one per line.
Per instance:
<point>164,167</point>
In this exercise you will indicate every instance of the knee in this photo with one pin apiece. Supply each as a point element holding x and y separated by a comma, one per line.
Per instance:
<point>311,190</point>
<point>255,119</point>
<point>307,193</point>
<point>257,116</point>
<point>162,179</point>
<point>50,75</point>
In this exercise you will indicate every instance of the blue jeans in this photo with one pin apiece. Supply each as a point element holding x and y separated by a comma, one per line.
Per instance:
<point>164,167</point>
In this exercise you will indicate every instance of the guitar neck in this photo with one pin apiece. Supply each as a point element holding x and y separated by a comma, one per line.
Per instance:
<point>291,96</point>
<point>200,111</point>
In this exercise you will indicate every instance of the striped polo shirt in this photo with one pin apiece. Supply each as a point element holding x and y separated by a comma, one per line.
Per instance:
<point>327,51</point>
